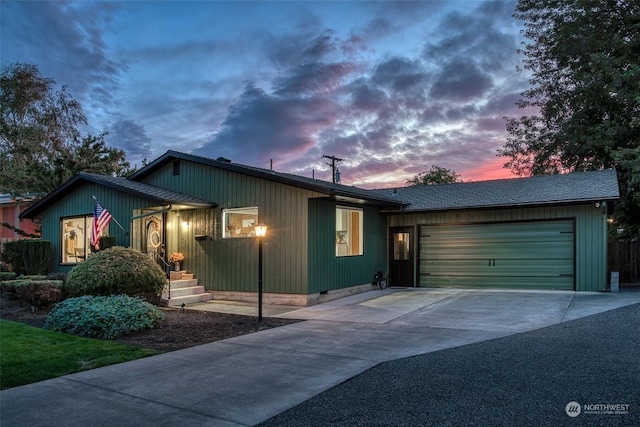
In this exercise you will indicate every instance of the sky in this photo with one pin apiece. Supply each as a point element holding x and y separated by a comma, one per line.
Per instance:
<point>390,87</point>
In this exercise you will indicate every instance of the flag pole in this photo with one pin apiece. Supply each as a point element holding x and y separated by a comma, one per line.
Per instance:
<point>113,218</point>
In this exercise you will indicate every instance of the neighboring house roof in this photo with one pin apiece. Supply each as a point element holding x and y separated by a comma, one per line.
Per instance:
<point>576,187</point>
<point>147,191</point>
<point>334,191</point>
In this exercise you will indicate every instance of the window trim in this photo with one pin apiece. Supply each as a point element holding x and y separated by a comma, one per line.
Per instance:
<point>349,233</point>
<point>244,233</point>
<point>87,223</point>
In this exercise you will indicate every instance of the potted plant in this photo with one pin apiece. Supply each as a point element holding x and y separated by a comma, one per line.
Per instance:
<point>176,258</point>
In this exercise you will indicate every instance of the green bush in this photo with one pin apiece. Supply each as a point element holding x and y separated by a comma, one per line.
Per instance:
<point>103,317</point>
<point>117,271</point>
<point>5,275</point>
<point>3,268</point>
<point>38,293</point>
<point>8,288</point>
<point>27,256</point>
<point>36,254</point>
<point>11,255</point>
<point>107,242</point>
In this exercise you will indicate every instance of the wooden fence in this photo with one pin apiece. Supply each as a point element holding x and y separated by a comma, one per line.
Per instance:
<point>625,258</point>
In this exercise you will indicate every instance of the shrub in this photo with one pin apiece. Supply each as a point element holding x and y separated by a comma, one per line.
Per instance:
<point>103,317</point>
<point>11,255</point>
<point>36,254</point>
<point>8,289</point>
<point>27,256</point>
<point>116,271</point>
<point>5,275</point>
<point>3,268</point>
<point>107,242</point>
<point>38,293</point>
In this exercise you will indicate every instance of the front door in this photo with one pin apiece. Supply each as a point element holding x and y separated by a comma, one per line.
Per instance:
<point>401,271</point>
<point>154,239</point>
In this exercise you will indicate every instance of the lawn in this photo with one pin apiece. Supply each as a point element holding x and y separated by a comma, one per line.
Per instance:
<point>29,354</point>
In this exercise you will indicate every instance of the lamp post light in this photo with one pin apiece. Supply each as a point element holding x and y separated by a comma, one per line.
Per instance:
<point>261,231</point>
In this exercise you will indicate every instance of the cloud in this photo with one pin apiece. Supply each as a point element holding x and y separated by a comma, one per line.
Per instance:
<point>67,42</point>
<point>131,137</point>
<point>460,81</point>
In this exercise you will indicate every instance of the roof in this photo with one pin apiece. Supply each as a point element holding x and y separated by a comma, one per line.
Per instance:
<point>576,187</point>
<point>334,191</point>
<point>156,194</point>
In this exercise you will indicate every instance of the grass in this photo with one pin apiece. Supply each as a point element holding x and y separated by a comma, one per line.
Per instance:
<point>29,354</point>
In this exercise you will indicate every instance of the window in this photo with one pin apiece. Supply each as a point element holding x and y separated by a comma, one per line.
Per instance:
<point>76,238</point>
<point>239,222</point>
<point>349,232</point>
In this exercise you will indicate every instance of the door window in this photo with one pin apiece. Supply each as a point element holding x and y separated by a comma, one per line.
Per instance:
<point>401,246</point>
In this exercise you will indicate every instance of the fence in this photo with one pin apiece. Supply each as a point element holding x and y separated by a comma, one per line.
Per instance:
<point>625,258</point>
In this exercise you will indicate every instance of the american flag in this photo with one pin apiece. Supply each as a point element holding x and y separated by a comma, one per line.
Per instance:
<point>101,218</point>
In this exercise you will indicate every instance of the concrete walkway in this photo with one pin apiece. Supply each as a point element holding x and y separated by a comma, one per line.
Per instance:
<point>248,379</point>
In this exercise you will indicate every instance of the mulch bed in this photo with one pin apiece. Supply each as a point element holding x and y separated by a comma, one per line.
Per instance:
<point>180,329</point>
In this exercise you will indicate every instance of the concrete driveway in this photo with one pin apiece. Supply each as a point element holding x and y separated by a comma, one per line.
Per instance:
<point>249,379</point>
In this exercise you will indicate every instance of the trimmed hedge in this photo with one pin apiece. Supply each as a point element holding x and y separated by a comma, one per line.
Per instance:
<point>115,271</point>
<point>103,317</point>
<point>36,293</point>
<point>27,256</point>
<point>39,293</point>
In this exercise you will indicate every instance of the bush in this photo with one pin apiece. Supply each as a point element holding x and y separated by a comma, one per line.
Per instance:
<point>36,254</point>
<point>27,256</point>
<point>103,317</point>
<point>5,275</point>
<point>11,255</point>
<point>107,242</point>
<point>3,268</point>
<point>38,293</point>
<point>117,271</point>
<point>8,289</point>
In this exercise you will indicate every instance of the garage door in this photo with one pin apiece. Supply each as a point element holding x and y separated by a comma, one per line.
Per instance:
<point>523,255</point>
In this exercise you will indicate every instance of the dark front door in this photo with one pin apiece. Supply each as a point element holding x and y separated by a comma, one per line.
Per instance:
<point>401,271</point>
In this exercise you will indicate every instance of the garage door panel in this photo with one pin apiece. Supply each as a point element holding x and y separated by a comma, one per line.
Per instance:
<point>513,255</point>
<point>514,267</point>
<point>541,283</point>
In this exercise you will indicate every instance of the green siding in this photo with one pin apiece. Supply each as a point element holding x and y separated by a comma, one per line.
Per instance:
<point>525,255</point>
<point>80,202</point>
<point>328,272</point>
<point>232,264</point>
<point>590,233</point>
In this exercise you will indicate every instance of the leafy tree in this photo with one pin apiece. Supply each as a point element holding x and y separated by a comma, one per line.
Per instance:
<point>436,175</point>
<point>41,144</point>
<point>584,95</point>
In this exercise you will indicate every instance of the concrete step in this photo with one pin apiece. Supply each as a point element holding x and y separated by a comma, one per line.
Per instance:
<point>183,291</point>
<point>175,284</point>
<point>190,299</point>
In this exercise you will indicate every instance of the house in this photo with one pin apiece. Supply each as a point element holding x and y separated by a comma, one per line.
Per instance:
<point>326,240</point>
<point>10,209</point>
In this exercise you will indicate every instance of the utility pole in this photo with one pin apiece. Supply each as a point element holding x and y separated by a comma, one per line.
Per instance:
<point>334,165</point>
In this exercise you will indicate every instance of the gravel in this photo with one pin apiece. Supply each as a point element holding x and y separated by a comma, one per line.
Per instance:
<point>524,379</point>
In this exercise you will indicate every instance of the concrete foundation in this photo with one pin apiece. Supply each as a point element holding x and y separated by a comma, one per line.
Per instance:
<point>291,299</point>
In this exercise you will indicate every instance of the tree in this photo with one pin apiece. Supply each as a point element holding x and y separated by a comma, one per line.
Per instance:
<point>585,95</point>
<point>437,175</point>
<point>41,144</point>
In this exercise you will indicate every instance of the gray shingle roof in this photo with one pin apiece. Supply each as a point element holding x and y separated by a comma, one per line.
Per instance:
<point>147,191</point>
<point>577,187</point>
<point>335,191</point>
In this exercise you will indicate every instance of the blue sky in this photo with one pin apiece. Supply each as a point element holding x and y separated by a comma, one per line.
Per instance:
<point>391,87</point>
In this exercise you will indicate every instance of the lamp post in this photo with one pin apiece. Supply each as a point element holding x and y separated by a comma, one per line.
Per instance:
<point>261,231</point>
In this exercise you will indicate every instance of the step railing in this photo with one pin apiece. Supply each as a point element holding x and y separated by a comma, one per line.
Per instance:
<point>167,270</point>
